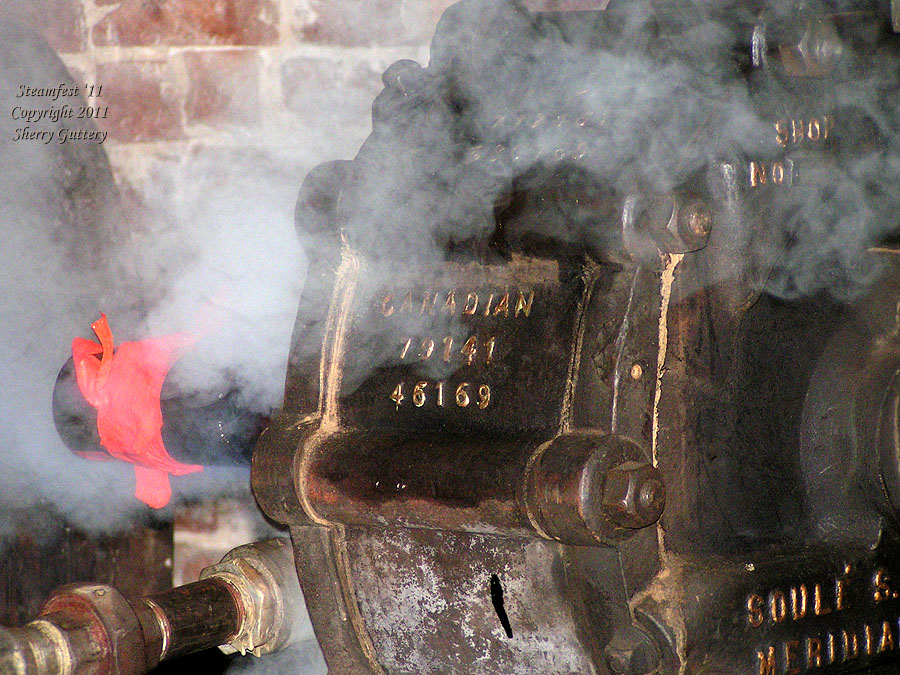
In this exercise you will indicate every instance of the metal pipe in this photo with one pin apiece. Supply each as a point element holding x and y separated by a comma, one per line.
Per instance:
<point>197,616</point>
<point>245,603</point>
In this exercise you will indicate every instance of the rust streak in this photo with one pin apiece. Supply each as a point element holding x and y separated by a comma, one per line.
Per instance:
<point>329,374</point>
<point>591,272</point>
<point>665,293</point>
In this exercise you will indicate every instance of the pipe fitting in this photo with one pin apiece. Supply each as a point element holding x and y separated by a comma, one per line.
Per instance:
<point>263,577</point>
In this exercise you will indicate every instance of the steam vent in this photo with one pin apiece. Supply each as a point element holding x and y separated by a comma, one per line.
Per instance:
<point>410,337</point>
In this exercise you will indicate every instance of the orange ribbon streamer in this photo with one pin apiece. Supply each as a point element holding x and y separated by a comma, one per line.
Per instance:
<point>124,385</point>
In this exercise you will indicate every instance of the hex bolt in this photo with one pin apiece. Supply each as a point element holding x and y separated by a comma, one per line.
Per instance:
<point>652,498</point>
<point>653,213</point>
<point>815,52</point>
<point>591,488</point>
<point>820,46</point>
<point>679,222</point>
<point>634,495</point>
<point>631,652</point>
<point>691,224</point>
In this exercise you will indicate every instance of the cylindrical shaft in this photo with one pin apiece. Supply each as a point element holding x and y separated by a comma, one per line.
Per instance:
<point>557,490</point>
<point>197,616</point>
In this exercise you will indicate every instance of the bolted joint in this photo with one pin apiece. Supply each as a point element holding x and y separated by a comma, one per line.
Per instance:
<point>677,222</point>
<point>83,629</point>
<point>101,629</point>
<point>567,483</point>
<point>251,601</point>
<point>634,495</point>
<point>693,223</point>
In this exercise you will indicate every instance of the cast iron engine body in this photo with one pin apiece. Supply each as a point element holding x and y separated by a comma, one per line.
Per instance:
<point>569,285</point>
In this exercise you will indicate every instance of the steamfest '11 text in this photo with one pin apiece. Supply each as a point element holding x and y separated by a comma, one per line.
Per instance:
<point>36,107</point>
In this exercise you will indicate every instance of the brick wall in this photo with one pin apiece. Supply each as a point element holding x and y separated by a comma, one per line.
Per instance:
<point>284,84</point>
<point>288,83</point>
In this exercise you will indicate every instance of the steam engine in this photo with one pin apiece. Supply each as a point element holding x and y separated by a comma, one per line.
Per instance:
<point>596,366</point>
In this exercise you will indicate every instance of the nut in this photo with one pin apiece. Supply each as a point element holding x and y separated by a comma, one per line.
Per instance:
<point>634,495</point>
<point>694,222</point>
<point>817,51</point>
<point>690,224</point>
<point>677,222</point>
<point>99,626</point>
<point>260,606</point>
<point>820,46</point>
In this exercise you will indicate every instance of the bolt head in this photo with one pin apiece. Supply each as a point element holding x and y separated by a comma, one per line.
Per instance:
<point>699,219</point>
<point>820,47</point>
<point>634,495</point>
<point>652,498</point>
<point>816,52</point>
<point>693,224</point>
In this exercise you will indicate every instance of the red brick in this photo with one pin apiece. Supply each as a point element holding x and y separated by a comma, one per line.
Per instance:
<point>60,22</point>
<point>189,570</point>
<point>223,86</point>
<point>189,22</point>
<point>141,106</point>
<point>393,22</point>
<point>201,518</point>
<point>339,21</point>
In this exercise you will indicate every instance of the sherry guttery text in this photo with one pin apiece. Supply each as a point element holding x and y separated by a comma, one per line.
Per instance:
<point>43,105</point>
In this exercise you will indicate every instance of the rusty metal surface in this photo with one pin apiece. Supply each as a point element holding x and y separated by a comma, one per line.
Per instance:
<point>199,615</point>
<point>424,591</point>
<point>605,420</point>
<point>335,616</point>
<point>83,629</point>
<point>458,324</point>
